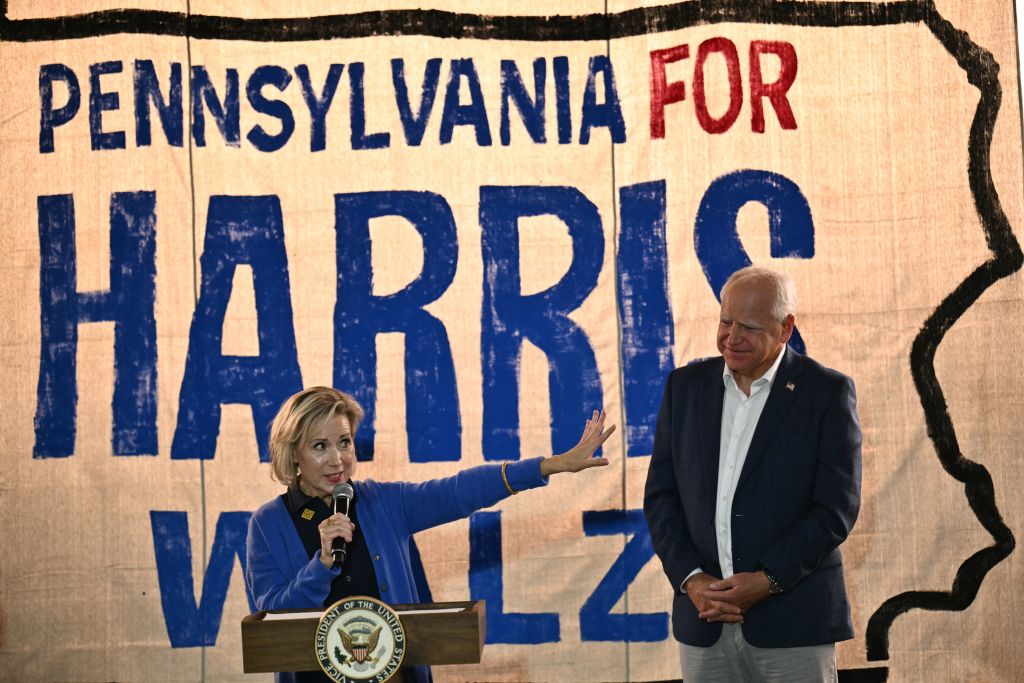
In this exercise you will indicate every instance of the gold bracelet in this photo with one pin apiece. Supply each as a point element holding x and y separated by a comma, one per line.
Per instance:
<point>504,478</point>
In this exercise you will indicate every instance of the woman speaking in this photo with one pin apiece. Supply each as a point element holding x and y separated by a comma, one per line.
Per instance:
<point>312,450</point>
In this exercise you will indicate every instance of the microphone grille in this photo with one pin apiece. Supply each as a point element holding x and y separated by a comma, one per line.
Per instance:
<point>344,490</point>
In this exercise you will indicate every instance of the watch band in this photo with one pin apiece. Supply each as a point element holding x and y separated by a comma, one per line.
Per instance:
<point>775,588</point>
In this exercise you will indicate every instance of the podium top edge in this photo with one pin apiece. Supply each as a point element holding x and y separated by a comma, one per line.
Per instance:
<point>315,612</point>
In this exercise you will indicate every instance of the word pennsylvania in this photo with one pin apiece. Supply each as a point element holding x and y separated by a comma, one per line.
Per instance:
<point>544,112</point>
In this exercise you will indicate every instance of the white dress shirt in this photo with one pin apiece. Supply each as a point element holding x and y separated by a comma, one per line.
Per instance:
<point>740,414</point>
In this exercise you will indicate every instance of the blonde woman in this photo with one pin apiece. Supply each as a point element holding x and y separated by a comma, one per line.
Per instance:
<point>289,560</point>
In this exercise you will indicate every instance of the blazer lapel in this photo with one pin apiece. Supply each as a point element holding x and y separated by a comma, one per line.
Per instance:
<point>783,392</point>
<point>711,423</point>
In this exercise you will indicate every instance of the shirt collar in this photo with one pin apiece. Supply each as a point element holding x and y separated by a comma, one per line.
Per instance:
<point>767,378</point>
<point>298,499</point>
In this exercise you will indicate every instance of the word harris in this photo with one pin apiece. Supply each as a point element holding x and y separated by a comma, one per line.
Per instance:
<point>463,102</point>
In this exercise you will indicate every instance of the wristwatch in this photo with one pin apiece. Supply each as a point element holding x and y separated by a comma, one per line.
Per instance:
<point>774,588</point>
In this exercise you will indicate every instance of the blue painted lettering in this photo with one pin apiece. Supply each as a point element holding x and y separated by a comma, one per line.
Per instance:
<point>507,316</point>
<point>129,303</point>
<point>486,583</point>
<point>170,111</point>
<point>278,78</point>
<point>188,624</point>
<point>432,404</point>
<point>607,114</point>
<point>716,239</point>
<point>597,622</point>
<point>226,114</point>
<point>415,125</point>
<point>50,118</point>
<point>319,105</point>
<point>648,332</point>
<point>238,230</point>
<point>456,114</point>
<point>99,102</point>
<point>531,111</point>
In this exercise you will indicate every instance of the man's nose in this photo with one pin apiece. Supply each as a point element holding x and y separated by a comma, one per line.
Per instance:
<point>734,332</point>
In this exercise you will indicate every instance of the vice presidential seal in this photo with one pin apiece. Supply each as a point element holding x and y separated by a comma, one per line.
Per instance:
<point>360,639</point>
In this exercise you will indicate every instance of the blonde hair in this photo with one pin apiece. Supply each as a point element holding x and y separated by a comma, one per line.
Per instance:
<point>301,416</point>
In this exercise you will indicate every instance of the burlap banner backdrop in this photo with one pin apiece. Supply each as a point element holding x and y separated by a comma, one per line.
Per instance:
<point>485,219</point>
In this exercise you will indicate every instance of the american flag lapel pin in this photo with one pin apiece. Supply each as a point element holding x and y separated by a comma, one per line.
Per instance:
<point>790,386</point>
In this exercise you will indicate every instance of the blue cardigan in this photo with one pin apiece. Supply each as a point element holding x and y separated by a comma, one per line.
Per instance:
<point>282,576</point>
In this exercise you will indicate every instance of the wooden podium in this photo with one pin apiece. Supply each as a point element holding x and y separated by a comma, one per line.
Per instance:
<point>436,633</point>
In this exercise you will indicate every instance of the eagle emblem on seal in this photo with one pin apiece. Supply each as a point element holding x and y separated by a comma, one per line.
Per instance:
<point>358,645</point>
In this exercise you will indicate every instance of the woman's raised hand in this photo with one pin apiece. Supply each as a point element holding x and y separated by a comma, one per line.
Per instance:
<point>580,456</point>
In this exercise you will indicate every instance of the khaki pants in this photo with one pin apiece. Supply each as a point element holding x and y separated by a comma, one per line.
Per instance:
<point>733,660</point>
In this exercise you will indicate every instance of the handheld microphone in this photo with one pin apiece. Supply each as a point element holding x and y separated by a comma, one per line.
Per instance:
<point>342,495</point>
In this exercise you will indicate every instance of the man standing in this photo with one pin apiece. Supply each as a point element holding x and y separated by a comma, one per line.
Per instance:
<point>753,484</point>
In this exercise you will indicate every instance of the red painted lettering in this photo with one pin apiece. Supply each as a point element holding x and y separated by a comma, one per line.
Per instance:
<point>775,92</point>
<point>662,92</point>
<point>727,49</point>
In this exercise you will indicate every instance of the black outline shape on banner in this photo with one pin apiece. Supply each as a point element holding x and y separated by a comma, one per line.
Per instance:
<point>982,72</point>
<point>441,24</point>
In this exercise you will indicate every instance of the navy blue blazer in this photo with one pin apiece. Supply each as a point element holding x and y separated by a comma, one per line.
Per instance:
<point>797,499</point>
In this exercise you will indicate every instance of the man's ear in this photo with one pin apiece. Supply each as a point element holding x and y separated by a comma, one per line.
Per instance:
<point>787,327</point>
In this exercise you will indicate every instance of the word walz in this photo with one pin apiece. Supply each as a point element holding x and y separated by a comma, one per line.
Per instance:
<point>665,92</point>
